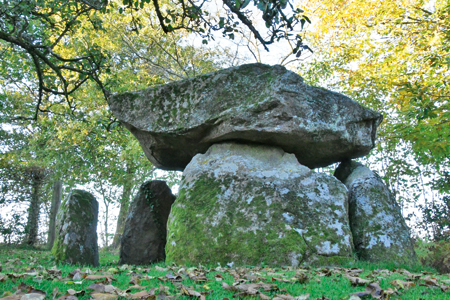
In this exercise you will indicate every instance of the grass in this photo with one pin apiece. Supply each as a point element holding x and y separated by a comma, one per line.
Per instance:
<point>29,266</point>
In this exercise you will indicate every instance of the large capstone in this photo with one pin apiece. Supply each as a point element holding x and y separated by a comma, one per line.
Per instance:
<point>252,103</point>
<point>379,230</point>
<point>254,204</point>
<point>144,237</point>
<point>76,230</point>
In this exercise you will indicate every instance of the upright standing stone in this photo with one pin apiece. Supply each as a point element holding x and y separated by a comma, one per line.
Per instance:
<point>380,233</point>
<point>144,236</point>
<point>76,230</point>
<point>253,204</point>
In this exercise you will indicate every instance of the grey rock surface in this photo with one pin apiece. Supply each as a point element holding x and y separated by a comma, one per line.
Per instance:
<point>76,230</point>
<point>252,103</point>
<point>144,237</point>
<point>379,230</point>
<point>252,204</point>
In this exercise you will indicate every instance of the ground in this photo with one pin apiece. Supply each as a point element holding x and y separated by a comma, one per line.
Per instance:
<point>40,278</point>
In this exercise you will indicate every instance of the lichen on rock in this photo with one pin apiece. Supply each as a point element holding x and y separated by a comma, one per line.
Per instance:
<point>252,103</point>
<point>254,204</point>
<point>379,230</point>
<point>76,230</point>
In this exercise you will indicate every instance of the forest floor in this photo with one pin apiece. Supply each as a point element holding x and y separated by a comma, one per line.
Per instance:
<point>27,274</point>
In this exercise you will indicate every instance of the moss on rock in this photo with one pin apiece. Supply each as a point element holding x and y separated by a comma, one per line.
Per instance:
<point>379,231</point>
<point>253,205</point>
<point>76,230</point>
<point>254,103</point>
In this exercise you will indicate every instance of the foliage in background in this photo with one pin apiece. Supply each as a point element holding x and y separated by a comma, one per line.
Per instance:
<point>35,36</point>
<point>393,57</point>
<point>434,254</point>
<point>75,137</point>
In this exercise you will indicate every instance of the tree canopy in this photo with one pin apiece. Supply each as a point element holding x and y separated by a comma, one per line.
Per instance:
<point>45,41</point>
<point>392,56</point>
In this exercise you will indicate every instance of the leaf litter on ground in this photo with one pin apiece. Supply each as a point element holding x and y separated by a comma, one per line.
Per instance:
<point>170,282</point>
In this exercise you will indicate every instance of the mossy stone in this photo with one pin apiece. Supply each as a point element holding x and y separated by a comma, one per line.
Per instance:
<point>253,204</point>
<point>76,230</point>
<point>379,230</point>
<point>253,103</point>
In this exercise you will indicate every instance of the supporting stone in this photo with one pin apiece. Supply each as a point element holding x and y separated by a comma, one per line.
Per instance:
<point>380,233</point>
<point>253,204</point>
<point>144,237</point>
<point>76,230</point>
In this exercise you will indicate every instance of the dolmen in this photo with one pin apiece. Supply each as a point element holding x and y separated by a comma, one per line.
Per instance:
<point>247,139</point>
<point>76,230</point>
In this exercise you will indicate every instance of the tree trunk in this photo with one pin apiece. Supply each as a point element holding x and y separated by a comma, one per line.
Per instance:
<point>124,204</point>
<point>56,201</point>
<point>106,221</point>
<point>37,176</point>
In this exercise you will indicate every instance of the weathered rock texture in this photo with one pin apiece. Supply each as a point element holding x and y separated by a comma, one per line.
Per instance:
<point>144,236</point>
<point>251,204</point>
<point>76,230</point>
<point>379,230</point>
<point>252,103</point>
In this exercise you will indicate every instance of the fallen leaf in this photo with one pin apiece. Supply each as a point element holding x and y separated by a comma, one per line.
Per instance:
<point>67,297</point>
<point>33,296</point>
<point>134,280</point>
<point>289,297</point>
<point>104,296</point>
<point>402,284</point>
<point>98,277</point>
<point>173,277</point>
<point>97,287</point>
<point>389,292</point>
<point>302,278</point>
<point>189,292</point>
<point>163,288</point>
<point>263,296</point>
<point>430,281</point>
<point>72,292</point>
<point>281,280</point>
<point>12,297</point>
<point>324,272</point>
<point>136,287</point>
<point>355,281</point>
<point>372,289</point>
<point>14,275</point>
<point>354,270</point>
<point>71,274</point>
<point>144,294</point>
<point>77,276</point>
<point>445,288</point>
<point>198,278</point>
